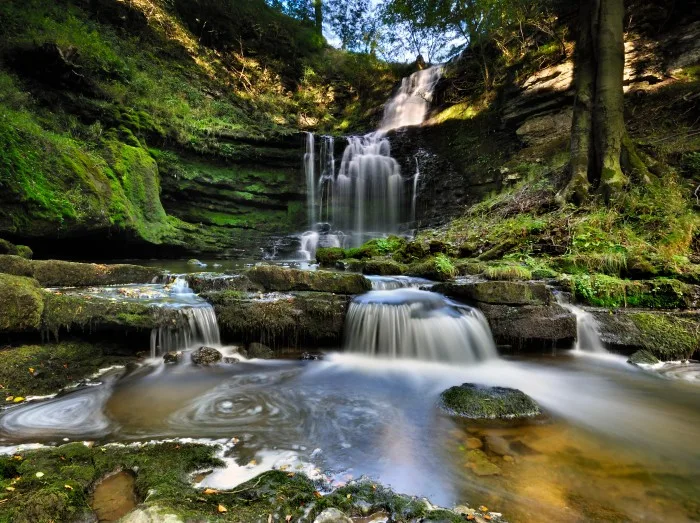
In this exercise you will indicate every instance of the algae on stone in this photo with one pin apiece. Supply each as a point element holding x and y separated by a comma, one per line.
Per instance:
<point>274,278</point>
<point>21,304</point>
<point>480,402</point>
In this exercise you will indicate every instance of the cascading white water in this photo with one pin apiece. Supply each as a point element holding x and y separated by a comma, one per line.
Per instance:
<point>414,198</point>
<point>197,325</point>
<point>366,197</point>
<point>587,335</point>
<point>416,324</point>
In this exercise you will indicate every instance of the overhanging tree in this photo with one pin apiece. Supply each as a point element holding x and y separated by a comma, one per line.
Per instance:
<point>601,150</point>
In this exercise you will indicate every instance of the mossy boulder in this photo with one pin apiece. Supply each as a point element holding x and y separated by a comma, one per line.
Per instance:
<point>530,327</point>
<point>12,249</point>
<point>383,267</point>
<point>68,312</point>
<point>480,402</point>
<point>207,281</point>
<point>643,357</point>
<point>274,278</point>
<point>411,252</point>
<point>311,318</point>
<point>666,335</point>
<point>57,273</point>
<point>206,356</point>
<point>350,264</point>
<point>21,304</point>
<point>497,292</point>
<point>438,268</point>
<point>328,256</point>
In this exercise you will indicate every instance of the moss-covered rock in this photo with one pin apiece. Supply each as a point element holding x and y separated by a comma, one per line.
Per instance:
<point>411,252</point>
<point>497,292</point>
<point>643,357</point>
<point>438,268</point>
<point>12,249</point>
<point>328,256</point>
<point>383,267</point>
<point>30,370</point>
<point>666,335</point>
<point>21,304</point>
<point>275,278</point>
<point>204,282</point>
<point>479,402</point>
<point>66,312</point>
<point>311,318</point>
<point>57,273</point>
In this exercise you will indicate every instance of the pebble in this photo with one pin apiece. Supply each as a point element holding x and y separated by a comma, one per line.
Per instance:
<point>474,443</point>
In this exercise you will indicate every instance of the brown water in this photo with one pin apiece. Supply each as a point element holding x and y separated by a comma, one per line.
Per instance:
<point>620,444</point>
<point>114,497</point>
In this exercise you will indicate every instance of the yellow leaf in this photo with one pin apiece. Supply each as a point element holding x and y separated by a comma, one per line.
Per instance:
<point>487,517</point>
<point>17,457</point>
<point>68,487</point>
<point>39,474</point>
<point>348,496</point>
<point>9,398</point>
<point>221,509</point>
<point>31,370</point>
<point>290,474</point>
<point>317,494</point>
<point>252,463</point>
<point>483,508</point>
<point>10,488</point>
<point>210,491</point>
<point>18,399</point>
<point>470,517</point>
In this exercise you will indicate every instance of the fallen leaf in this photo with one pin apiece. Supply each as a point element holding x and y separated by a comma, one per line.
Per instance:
<point>290,474</point>
<point>483,508</point>
<point>317,494</point>
<point>486,516</point>
<point>65,365</point>
<point>348,496</point>
<point>10,488</point>
<point>31,370</point>
<point>17,457</point>
<point>9,398</point>
<point>210,491</point>
<point>470,517</point>
<point>68,487</point>
<point>18,399</point>
<point>221,508</point>
<point>288,518</point>
<point>39,474</point>
<point>252,463</point>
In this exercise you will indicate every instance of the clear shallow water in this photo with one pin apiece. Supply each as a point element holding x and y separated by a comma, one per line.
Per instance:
<point>621,443</point>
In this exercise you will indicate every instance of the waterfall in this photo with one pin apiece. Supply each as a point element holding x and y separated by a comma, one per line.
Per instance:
<point>587,335</point>
<point>416,177</point>
<point>416,324</point>
<point>196,326</point>
<point>366,197</point>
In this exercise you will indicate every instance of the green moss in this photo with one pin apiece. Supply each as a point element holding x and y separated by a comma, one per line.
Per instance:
<point>668,337</point>
<point>45,369</point>
<point>275,278</point>
<point>328,256</point>
<point>439,268</point>
<point>507,272</point>
<point>21,304</point>
<point>478,402</point>
<point>383,267</point>
<point>608,291</point>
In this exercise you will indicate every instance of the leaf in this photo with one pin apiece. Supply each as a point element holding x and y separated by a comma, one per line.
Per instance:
<point>9,398</point>
<point>10,489</point>
<point>317,494</point>
<point>31,370</point>
<point>68,487</point>
<point>18,399</point>
<point>482,508</point>
<point>210,491</point>
<point>39,474</point>
<point>348,496</point>
<point>221,508</point>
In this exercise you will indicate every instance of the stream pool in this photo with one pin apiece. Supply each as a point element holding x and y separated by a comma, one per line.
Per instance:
<point>618,444</point>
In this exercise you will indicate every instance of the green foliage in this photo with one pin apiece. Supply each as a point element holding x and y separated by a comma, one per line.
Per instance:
<point>608,291</point>
<point>668,337</point>
<point>439,268</point>
<point>508,272</point>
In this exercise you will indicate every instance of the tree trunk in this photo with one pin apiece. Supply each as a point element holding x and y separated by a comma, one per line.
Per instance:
<point>600,146</point>
<point>609,104</point>
<point>318,16</point>
<point>582,123</point>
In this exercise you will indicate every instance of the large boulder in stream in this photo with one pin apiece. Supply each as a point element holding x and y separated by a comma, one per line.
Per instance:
<point>480,402</point>
<point>206,356</point>
<point>57,273</point>
<point>281,279</point>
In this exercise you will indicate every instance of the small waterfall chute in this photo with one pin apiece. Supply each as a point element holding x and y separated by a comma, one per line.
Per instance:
<point>414,324</point>
<point>587,335</point>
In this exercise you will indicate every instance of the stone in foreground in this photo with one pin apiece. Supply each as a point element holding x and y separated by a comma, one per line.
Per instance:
<point>479,402</point>
<point>206,356</point>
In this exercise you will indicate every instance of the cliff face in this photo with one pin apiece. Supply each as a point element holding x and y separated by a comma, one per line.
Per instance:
<point>128,130</point>
<point>469,150</point>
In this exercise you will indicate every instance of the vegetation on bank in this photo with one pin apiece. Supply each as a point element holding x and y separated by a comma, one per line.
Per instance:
<point>55,484</point>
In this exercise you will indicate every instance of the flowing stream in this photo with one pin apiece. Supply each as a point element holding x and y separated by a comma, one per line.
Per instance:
<point>367,196</point>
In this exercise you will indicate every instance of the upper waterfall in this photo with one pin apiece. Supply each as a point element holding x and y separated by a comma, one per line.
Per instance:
<point>367,196</point>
